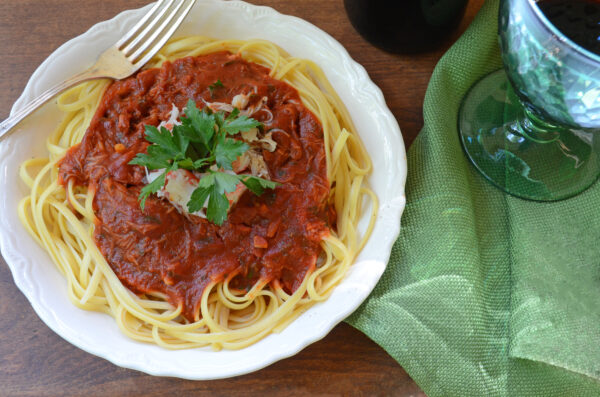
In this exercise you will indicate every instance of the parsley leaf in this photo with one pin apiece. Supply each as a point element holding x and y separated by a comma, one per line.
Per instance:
<point>150,188</point>
<point>241,123</point>
<point>201,194</point>
<point>258,185</point>
<point>201,141</point>
<point>197,125</point>
<point>226,182</point>
<point>151,162</point>
<point>187,164</point>
<point>218,204</point>
<point>213,187</point>
<point>217,207</point>
<point>228,150</point>
<point>167,148</point>
<point>167,142</point>
<point>214,86</point>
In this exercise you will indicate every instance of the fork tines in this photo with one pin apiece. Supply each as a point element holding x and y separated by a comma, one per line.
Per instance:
<point>153,30</point>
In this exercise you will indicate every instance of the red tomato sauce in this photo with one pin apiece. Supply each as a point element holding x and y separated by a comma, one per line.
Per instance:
<point>162,250</point>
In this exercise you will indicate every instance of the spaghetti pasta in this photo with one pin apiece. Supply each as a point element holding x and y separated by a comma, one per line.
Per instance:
<point>62,219</point>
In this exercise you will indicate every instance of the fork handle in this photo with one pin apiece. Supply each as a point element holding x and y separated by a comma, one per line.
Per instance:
<point>7,125</point>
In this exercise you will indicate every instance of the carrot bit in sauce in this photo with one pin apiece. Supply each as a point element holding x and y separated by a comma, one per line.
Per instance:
<point>260,242</point>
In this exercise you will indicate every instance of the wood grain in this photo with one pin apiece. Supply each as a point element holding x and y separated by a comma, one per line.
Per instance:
<point>36,362</point>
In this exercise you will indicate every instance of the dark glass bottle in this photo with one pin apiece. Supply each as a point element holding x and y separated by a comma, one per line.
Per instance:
<point>405,26</point>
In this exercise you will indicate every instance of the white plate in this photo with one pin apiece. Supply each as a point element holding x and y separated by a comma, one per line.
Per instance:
<point>37,277</point>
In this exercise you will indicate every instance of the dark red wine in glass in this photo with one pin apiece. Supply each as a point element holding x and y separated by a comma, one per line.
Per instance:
<point>405,26</point>
<point>579,20</point>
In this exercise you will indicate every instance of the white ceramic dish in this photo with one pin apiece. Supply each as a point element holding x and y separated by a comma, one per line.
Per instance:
<point>37,277</point>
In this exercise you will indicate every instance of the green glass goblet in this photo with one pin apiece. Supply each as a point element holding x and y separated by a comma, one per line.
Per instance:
<point>532,128</point>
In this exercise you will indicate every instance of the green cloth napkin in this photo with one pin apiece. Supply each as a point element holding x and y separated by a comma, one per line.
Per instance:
<point>486,294</point>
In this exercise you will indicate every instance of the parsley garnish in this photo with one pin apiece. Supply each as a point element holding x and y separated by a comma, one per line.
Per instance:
<point>200,141</point>
<point>214,86</point>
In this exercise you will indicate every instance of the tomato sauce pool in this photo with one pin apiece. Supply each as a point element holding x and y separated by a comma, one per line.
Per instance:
<point>161,250</point>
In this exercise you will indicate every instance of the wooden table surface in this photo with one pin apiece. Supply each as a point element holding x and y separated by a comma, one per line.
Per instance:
<point>34,361</point>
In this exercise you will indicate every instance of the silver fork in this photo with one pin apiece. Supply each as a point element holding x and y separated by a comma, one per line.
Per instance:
<point>124,58</point>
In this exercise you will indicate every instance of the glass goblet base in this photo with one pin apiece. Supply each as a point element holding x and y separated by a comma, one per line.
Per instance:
<point>520,153</point>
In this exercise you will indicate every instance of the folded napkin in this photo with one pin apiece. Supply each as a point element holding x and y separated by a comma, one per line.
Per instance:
<point>486,294</point>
